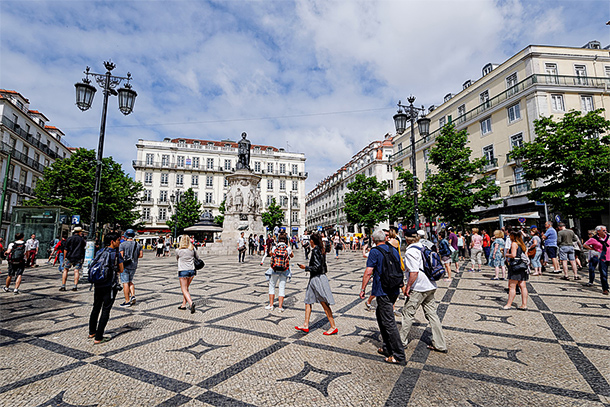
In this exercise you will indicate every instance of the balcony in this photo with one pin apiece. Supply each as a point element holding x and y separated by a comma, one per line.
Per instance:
<point>28,137</point>
<point>21,189</point>
<point>22,158</point>
<point>491,165</point>
<point>162,202</point>
<point>147,201</point>
<point>520,188</point>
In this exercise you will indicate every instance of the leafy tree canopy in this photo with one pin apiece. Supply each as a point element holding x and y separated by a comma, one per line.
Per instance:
<point>274,216</point>
<point>458,185</point>
<point>572,158</point>
<point>366,201</point>
<point>187,212</point>
<point>401,205</point>
<point>221,218</point>
<point>70,183</point>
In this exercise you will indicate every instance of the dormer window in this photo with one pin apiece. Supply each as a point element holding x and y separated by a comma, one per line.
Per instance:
<point>181,143</point>
<point>487,69</point>
<point>466,84</point>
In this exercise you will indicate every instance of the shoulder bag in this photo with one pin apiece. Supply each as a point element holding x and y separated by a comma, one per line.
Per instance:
<point>197,262</point>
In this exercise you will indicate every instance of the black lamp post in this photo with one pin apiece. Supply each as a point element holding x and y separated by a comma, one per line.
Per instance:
<point>84,97</point>
<point>411,113</point>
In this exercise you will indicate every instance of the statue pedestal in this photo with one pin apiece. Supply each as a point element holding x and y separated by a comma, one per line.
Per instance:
<point>242,212</point>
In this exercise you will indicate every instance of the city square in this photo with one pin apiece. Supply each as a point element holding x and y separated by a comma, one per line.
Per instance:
<point>233,352</point>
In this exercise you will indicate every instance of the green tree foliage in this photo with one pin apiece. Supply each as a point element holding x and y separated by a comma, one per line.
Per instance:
<point>401,206</point>
<point>458,185</point>
<point>187,212</point>
<point>274,216</point>
<point>572,157</point>
<point>366,201</point>
<point>221,218</point>
<point>70,183</point>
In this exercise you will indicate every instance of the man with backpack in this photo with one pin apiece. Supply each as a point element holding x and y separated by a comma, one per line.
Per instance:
<point>74,255</point>
<point>103,271</point>
<point>131,252</point>
<point>419,290</point>
<point>15,254</point>
<point>383,265</point>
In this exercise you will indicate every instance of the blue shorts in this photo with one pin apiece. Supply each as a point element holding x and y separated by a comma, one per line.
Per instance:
<point>127,276</point>
<point>78,264</point>
<point>551,251</point>
<point>187,273</point>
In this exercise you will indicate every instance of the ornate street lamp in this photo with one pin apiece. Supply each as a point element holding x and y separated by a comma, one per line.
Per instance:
<point>411,113</point>
<point>84,98</point>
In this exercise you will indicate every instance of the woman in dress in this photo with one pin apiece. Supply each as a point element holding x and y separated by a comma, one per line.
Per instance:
<point>517,271</point>
<point>160,246</point>
<point>185,253</point>
<point>497,255</point>
<point>338,243</point>
<point>318,289</point>
<point>536,242</point>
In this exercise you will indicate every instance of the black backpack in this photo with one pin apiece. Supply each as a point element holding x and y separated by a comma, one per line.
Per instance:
<point>17,254</point>
<point>392,275</point>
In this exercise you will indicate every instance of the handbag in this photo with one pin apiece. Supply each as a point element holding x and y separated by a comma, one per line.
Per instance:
<point>517,266</point>
<point>531,252</point>
<point>197,262</point>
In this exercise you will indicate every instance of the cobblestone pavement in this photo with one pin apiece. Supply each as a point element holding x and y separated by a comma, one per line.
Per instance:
<point>233,352</point>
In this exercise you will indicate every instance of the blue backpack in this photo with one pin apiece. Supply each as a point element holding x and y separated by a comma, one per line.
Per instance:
<point>433,268</point>
<point>100,270</point>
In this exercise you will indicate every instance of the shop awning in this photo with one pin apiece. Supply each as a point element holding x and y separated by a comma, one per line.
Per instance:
<point>526,215</point>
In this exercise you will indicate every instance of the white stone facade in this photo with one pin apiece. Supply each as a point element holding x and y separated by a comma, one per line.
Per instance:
<point>170,167</point>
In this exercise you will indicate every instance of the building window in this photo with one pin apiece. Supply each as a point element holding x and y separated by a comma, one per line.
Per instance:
<point>295,217</point>
<point>607,68</point>
<point>488,153</point>
<point>196,195</point>
<point>164,179</point>
<point>269,185</point>
<point>514,113</point>
<point>516,140</point>
<point>146,213</point>
<point>484,98</point>
<point>270,168</point>
<point>210,163</point>
<point>209,181</point>
<point>519,175</point>
<point>295,185</point>
<point>269,199</point>
<point>180,161</point>
<point>179,180</point>
<point>149,159</point>
<point>442,121</point>
<point>162,196</point>
<point>147,195</point>
<point>370,172</point>
<point>282,185</point>
<point>557,103</point>
<point>165,160</point>
<point>586,103</point>
<point>461,110</point>
<point>181,143</point>
<point>390,184</point>
<point>486,126</point>
<point>257,166</point>
<point>399,146</point>
<point>487,69</point>
<point>147,178</point>
<point>388,168</point>
<point>195,162</point>
<point>194,180</point>
<point>226,183</point>
<point>551,73</point>
<point>511,84</point>
<point>162,214</point>
<point>295,169</point>
<point>581,74</point>
<point>228,165</point>
<point>208,198</point>
<point>282,168</point>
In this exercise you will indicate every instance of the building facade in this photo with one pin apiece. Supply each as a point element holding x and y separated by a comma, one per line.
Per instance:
<point>325,203</point>
<point>27,146</point>
<point>168,168</point>
<point>498,111</point>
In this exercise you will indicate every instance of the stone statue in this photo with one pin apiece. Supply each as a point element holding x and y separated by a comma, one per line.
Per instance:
<point>243,152</point>
<point>251,201</point>
<point>239,200</point>
<point>229,203</point>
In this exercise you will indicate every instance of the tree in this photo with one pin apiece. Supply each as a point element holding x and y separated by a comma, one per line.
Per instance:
<point>458,185</point>
<point>572,157</point>
<point>70,183</point>
<point>366,202</point>
<point>274,216</point>
<point>401,205</point>
<point>187,212</point>
<point>221,218</point>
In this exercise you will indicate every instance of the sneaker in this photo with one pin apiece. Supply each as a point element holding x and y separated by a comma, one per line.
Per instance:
<point>6,289</point>
<point>75,288</point>
<point>280,309</point>
<point>125,304</point>
<point>16,291</point>
<point>62,288</point>
<point>133,300</point>
<point>588,284</point>
<point>367,305</point>
<point>269,307</point>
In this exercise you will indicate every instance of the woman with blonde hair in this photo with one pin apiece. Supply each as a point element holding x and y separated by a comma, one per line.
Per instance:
<point>497,255</point>
<point>186,253</point>
<point>517,271</point>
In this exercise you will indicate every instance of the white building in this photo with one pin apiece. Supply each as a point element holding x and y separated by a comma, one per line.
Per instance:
<point>325,203</point>
<point>169,167</point>
<point>27,147</point>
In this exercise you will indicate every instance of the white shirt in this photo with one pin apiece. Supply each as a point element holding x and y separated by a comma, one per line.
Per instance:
<point>10,245</point>
<point>241,242</point>
<point>31,244</point>
<point>415,264</point>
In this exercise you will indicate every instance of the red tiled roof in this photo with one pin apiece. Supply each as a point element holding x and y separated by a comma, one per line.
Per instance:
<point>54,128</point>
<point>38,113</point>
<point>14,93</point>
<point>219,143</point>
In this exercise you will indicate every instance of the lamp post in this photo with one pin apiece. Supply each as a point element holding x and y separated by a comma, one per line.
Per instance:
<point>174,209</point>
<point>411,113</point>
<point>84,97</point>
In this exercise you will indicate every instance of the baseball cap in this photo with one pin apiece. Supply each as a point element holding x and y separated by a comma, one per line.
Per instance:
<point>78,229</point>
<point>129,233</point>
<point>533,227</point>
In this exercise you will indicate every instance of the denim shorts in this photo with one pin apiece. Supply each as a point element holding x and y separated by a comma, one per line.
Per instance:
<point>187,273</point>
<point>566,253</point>
<point>78,264</point>
<point>127,276</point>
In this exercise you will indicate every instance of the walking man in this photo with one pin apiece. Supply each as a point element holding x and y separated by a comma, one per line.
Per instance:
<point>565,239</point>
<point>131,251</point>
<point>305,244</point>
<point>601,243</point>
<point>392,346</point>
<point>16,255</point>
<point>486,245</point>
<point>74,256</point>
<point>241,248</point>
<point>31,247</point>
<point>550,245</point>
<point>455,253</point>
<point>105,291</point>
<point>419,291</point>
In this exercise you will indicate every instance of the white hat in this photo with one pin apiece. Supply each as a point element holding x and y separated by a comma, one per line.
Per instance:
<point>421,232</point>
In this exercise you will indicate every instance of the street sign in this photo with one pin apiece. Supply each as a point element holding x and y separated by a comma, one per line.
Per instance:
<point>400,226</point>
<point>75,219</point>
<point>557,218</point>
<point>63,219</point>
<point>427,224</point>
<point>521,220</point>
<point>538,203</point>
<point>319,228</point>
<point>443,224</point>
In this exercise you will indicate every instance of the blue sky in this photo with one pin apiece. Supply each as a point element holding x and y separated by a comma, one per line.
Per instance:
<point>323,76</point>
